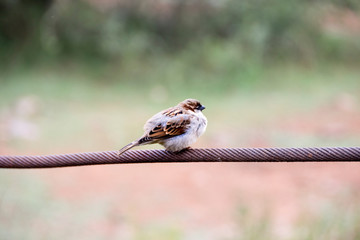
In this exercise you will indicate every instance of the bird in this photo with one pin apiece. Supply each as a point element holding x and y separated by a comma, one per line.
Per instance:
<point>176,128</point>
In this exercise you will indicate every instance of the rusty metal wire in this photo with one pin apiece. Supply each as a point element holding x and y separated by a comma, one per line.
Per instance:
<point>333,154</point>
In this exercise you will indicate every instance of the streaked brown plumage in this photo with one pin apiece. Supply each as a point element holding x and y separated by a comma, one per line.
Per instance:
<point>175,128</point>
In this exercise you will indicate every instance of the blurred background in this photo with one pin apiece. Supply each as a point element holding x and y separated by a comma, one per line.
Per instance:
<point>84,75</point>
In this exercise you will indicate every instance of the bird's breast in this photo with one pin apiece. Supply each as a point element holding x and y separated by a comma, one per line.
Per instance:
<point>199,124</point>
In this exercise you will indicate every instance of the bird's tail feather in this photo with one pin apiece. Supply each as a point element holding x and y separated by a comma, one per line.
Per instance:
<point>127,147</point>
<point>141,141</point>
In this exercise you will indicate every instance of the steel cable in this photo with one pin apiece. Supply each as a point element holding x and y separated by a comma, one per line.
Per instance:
<point>334,154</point>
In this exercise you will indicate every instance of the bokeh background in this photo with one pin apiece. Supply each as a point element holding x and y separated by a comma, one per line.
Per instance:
<point>84,75</point>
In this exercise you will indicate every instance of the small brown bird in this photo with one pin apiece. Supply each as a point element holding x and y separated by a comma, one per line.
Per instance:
<point>175,128</point>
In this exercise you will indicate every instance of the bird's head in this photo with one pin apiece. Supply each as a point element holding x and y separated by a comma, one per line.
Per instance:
<point>192,105</point>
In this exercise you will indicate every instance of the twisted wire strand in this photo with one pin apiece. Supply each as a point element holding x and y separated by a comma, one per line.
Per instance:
<point>326,154</point>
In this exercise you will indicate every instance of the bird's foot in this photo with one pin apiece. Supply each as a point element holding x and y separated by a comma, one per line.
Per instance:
<point>181,151</point>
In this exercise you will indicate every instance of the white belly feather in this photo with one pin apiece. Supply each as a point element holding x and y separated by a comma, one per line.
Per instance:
<point>196,129</point>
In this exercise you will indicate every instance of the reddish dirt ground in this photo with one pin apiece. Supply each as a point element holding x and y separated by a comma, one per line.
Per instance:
<point>205,196</point>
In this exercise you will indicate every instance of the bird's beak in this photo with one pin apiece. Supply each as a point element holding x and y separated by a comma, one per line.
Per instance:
<point>201,107</point>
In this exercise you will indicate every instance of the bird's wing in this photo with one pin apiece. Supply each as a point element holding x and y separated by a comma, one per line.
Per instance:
<point>177,124</point>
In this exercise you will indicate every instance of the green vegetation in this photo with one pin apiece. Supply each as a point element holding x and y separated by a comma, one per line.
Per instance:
<point>261,31</point>
<point>80,77</point>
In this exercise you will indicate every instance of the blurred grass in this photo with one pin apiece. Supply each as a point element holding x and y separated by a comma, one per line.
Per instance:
<point>331,219</point>
<point>105,108</point>
<point>28,211</point>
